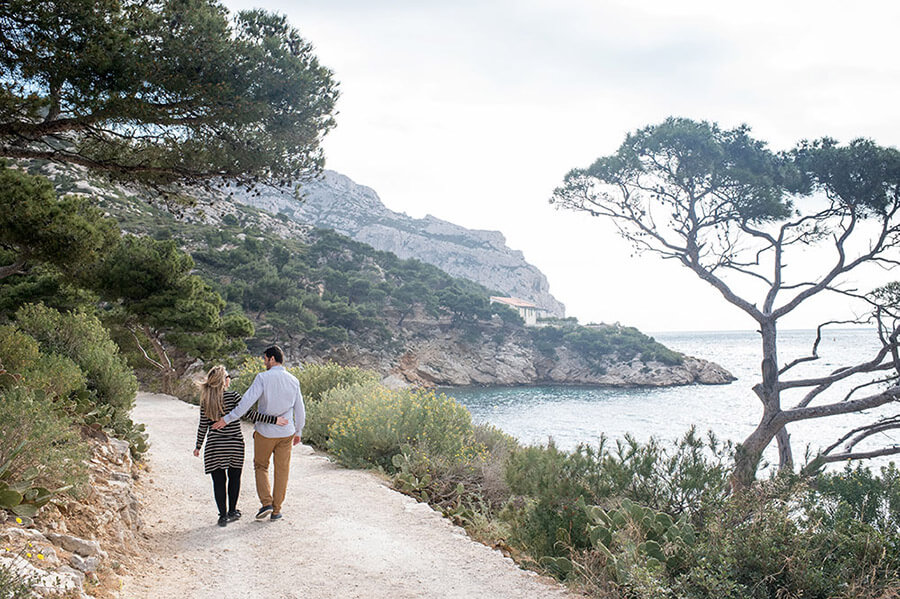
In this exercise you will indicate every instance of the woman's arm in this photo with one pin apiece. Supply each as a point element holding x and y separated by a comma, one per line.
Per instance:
<point>254,416</point>
<point>202,428</point>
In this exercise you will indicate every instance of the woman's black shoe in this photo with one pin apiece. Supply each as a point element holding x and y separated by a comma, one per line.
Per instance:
<point>234,515</point>
<point>223,520</point>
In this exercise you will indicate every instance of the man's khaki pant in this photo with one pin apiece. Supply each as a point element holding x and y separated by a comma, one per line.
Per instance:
<point>280,450</point>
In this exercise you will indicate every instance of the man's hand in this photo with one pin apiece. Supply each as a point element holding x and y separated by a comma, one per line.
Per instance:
<point>196,453</point>
<point>296,440</point>
<point>281,421</point>
<point>220,423</point>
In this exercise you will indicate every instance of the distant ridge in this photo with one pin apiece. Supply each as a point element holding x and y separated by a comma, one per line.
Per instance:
<point>336,202</point>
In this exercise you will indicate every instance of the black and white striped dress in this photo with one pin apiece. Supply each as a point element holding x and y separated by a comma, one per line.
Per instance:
<point>225,447</point>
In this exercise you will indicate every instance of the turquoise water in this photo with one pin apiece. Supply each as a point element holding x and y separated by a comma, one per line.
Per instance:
<point>573,415</point>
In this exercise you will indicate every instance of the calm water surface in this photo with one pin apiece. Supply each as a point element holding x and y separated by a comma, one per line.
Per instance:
<point>572,415</point>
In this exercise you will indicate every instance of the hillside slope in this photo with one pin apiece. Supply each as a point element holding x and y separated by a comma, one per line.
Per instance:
<point>324,297</point>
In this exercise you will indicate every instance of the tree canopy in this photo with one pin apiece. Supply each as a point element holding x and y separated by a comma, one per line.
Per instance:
<point>151,282</point>
<point>162,90</point>
<point>722,204</point>
<point>38,227</point>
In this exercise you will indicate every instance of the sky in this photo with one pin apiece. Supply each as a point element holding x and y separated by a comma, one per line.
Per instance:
<point>473,112</point>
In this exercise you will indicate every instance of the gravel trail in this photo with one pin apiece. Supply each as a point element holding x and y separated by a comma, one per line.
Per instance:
<point>344,533</point>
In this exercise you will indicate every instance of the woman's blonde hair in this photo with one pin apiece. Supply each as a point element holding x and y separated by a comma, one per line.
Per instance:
<point>211,392</point>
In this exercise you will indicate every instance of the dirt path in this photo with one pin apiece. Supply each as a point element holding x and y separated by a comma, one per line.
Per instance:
<point>344,533</point>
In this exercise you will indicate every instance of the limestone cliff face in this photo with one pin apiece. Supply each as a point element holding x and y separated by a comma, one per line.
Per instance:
<point>336,202</point>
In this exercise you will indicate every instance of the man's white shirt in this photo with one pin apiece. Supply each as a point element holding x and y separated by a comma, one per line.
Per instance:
<point>277,393</point>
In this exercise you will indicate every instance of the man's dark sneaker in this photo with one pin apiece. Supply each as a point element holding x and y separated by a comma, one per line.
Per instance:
<point>263,512</point>
<point>275,517</point>
<point>223,520</point>
<point>234,515</point>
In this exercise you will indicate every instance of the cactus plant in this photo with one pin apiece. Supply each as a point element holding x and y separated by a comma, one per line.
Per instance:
<point>20,496</point>
<point>633,534</point>
<point>558,566</point>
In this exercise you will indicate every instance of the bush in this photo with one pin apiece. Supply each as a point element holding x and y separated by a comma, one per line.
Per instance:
<point>18,350</point>
<point>39,445</point>
<point>316,379</point>
<point>321,414</point>
<point>372,430</point>
<point>688,480</point>
<point>690,477</point>
<point>54,375</point>
<point>83,339</point>
<point>76,342</point>
<point>857,494</point>
<point>765,544</point>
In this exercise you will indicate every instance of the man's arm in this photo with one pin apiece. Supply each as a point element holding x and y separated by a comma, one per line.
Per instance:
<point>250,397</point>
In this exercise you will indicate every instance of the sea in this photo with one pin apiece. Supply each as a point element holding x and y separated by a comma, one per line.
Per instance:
<point>572,415</point>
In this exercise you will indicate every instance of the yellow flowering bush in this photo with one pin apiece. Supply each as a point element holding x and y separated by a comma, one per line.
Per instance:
<point>372,429</point>
<point>320,415</point>
<point>317,379</point>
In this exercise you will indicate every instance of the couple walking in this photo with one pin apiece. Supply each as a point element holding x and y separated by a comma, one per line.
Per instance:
<point>279,419</point>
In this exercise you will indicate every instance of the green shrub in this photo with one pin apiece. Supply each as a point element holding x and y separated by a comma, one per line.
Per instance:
<point>857,494</point>
<point>689,477</point>
<point>76,341</point>
<point>765,544</point>
<point>18,350</point>
<point>372,430</point>
<point>38,445</point>
<point>316,379</point>
<point>321,414</point>
<point>56,376</point>
<point>83,339</point>
<point>689,480</point>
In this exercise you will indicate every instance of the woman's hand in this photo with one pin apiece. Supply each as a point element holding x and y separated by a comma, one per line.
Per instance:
<point>281,421</point>
<point>196,453</point>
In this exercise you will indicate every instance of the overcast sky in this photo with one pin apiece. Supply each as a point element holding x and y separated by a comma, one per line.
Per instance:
<point>474,111</point>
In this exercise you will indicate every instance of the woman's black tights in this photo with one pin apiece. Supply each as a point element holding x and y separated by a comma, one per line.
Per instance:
<point>234,488</point>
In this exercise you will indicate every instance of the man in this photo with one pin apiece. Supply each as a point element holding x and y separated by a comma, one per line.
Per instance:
<point>278,394</point>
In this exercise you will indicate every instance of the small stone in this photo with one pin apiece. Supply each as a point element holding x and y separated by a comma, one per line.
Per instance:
<point>85,564</point>
<point>76,545</point>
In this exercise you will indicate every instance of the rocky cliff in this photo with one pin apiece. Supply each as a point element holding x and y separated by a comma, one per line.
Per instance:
<point>336,202</point>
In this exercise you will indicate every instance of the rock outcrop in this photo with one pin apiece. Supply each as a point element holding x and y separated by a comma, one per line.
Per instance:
<point>514,363</point>
<point>74,546</point>
<point>336,202</point>
<point>445,357</point>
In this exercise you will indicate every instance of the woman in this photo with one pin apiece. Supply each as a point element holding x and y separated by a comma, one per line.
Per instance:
<point>223,458</point>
